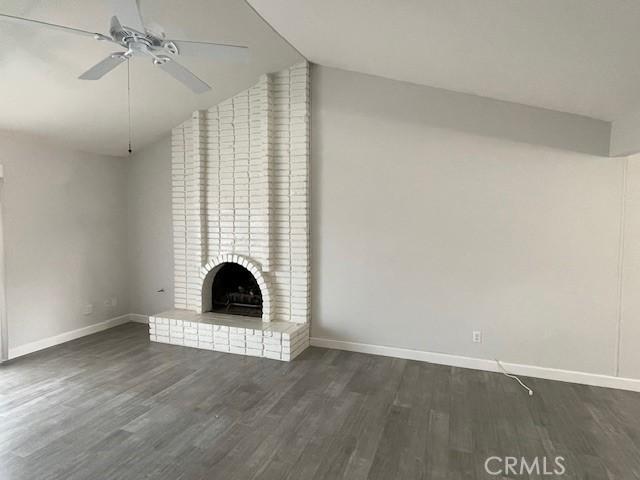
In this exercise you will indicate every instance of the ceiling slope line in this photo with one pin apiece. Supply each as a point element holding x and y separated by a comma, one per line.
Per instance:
<point>276,31</point>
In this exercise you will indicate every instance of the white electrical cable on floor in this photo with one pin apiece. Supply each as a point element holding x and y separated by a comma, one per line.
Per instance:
<point>504,371</point>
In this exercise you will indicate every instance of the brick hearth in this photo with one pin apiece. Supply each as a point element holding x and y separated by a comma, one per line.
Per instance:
<point>230,333</point>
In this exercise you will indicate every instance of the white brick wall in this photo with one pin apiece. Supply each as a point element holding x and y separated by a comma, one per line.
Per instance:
<point>241,186</point>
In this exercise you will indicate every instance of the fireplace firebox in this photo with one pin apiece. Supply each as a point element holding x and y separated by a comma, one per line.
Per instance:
<point>235,291</point>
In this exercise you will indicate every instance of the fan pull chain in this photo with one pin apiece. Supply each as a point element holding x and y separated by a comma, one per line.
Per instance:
<point>129,100</point>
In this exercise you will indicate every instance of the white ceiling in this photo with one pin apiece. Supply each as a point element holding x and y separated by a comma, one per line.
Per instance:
<point>39,67</point>
<point>577,56</point>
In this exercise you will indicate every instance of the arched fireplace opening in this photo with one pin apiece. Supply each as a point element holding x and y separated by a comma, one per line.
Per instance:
<point>235,291</point>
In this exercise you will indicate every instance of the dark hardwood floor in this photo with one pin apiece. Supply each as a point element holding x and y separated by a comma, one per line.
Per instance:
<point>114,406</point>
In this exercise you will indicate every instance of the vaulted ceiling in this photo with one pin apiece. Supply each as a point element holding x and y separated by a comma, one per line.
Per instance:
<point>576,56</point>
<point>41,94</point>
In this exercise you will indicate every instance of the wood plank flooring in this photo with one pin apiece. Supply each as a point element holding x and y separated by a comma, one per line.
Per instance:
<point>114,406</point>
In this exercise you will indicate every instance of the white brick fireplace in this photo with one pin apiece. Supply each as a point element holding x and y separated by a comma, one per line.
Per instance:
<point>240,174</point>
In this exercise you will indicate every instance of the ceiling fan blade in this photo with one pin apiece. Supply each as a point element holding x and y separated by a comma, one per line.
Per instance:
<point>214,51</point>
<point>115,26</point>
<point>183,75</point>
<point>99,70</point>
<point>62,28</point>
<point>129,14</point>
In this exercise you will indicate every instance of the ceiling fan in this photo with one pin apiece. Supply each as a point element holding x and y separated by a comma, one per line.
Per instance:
<point>128,31</point>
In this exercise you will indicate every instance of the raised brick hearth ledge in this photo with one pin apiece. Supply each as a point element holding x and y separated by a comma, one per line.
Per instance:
<point>230,333</point>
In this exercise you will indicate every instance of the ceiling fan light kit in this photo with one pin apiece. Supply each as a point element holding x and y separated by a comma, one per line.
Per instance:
<point>127,30</point>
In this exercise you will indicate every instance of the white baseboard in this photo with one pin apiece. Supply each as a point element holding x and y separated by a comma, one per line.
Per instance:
<point>593,379</point>
<point>138,318</point>
<point>571,376</point>
<point>67,336</point>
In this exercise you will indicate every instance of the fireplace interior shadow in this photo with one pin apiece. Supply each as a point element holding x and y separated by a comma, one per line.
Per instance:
<point>235,291</point>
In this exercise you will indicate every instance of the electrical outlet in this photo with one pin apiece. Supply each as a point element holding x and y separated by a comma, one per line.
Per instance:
<point>477,336</point>
<point>88,309</point>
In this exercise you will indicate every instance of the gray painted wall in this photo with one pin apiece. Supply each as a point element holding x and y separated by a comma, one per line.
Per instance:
<point>625,135</point>
<point>149,229</point>
<point>630,300</point>
<point>65,238</point>
<point>423,232</point>
<point>419,105</point>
